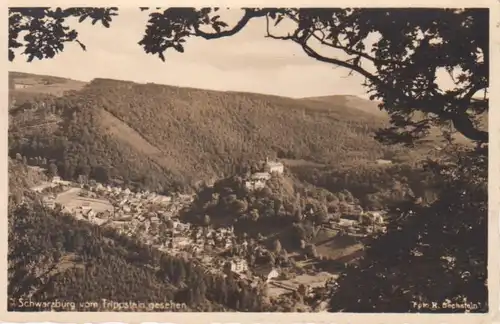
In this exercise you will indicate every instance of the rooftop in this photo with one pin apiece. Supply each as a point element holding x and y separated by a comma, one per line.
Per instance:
<point>261,175</point>
<point>274,163</point>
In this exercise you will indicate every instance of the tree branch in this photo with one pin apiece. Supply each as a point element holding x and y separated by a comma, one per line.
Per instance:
<point>466,127</point>
<point>460,120</point>
<point>249,14</point>
<point>311,53</point>
<point>269,35</point>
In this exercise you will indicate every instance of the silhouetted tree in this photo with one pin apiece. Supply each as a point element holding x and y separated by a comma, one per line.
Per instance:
<point>434,252</point>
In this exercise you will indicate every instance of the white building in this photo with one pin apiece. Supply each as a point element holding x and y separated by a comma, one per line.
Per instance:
<point>382,161</point>
<point>166,199</point>
<point>239,266</point>
<point>253,185</point>
<point>347,222</point>
<point>257,180</point>
<point>272,274</point>
<point>262,176</point>
<point>274,167</point>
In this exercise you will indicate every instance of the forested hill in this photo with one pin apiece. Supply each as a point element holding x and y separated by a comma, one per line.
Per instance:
<point>162,135</point>
<point>208,131</point>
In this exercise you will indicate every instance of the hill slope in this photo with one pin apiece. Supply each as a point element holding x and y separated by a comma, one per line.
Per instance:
<point>208,132</point>
<point>160,135</point>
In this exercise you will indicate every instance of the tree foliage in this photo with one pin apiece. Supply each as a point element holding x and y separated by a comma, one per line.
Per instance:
<point>434,253</point>
<point>48,30</point>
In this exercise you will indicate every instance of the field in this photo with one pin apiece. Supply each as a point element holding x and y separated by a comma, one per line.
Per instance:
<point>73,202</point>
<point>43,84</point>
<point>280,287</point>
<point>338,246</point>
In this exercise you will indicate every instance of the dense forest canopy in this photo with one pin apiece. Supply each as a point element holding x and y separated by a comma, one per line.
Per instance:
<point>157,135</point>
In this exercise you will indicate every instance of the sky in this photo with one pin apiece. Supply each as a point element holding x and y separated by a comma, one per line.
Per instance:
<point>245,62</point>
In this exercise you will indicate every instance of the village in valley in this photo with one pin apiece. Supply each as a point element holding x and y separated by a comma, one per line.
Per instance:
<point>155,220</point>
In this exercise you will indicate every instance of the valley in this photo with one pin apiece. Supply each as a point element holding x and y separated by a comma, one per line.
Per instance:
<point>273,194</point>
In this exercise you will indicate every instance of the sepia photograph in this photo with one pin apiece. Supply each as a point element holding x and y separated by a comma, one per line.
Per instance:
<point>284,160</point>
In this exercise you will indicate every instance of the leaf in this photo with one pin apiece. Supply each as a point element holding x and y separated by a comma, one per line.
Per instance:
<point>81,45</point>
<point>82,18</point>
<point>105,23</point>
<point>280,18</point>
<point>179,48</point>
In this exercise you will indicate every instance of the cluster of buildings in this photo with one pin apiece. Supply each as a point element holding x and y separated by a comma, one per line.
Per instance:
<point>49,201</point>
<point>258,180</point>
<point>184,238</point>
<point>363,224</point>
<point>154,219</point>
